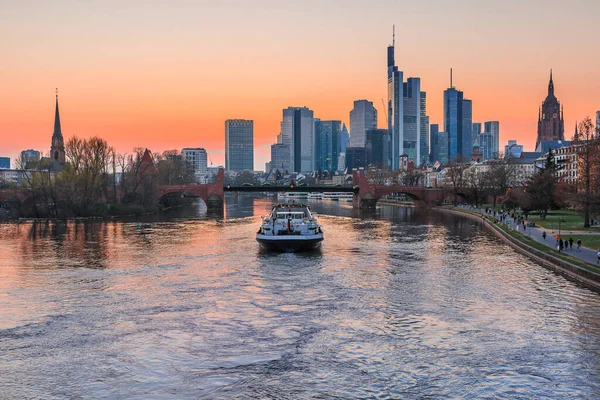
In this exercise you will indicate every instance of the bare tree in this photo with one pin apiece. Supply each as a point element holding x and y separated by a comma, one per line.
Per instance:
<point>499,178</point>
<point>587,146</point>
<point>455,175</point>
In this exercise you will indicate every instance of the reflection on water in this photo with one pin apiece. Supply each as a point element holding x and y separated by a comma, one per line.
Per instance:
<point>397,304</point>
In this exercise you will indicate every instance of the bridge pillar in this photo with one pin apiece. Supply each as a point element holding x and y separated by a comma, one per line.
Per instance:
<point>365,198</point>
<point>215,194</point>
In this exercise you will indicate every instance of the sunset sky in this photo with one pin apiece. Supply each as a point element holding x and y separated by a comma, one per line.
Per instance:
<point>166,75</point>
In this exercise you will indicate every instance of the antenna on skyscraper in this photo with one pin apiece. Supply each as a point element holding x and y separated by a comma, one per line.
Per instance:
<point>451,79</point>
<point>394,35</point>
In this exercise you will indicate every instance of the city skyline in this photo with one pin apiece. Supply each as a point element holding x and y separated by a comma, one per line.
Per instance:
<point>140,85</point>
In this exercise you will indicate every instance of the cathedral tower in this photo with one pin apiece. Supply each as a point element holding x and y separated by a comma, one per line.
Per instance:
<point>57,150</point>
<point>551,125</point>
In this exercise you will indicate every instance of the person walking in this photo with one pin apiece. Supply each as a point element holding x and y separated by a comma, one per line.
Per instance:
<point>598,257</point>
<point>571,243</point>
<point>578,244</point>
<point>544,235</point>
<point>561,245</point>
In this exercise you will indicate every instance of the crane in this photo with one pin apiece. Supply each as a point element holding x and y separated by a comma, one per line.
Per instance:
<point>385,112</point>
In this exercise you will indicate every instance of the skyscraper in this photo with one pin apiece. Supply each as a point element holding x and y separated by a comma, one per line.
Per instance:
<point>476,129</point>
<point>5,162</point>
<point>433,143</point>
<point>453,121</point>
<point>551,124</point>
<point>377,147</point>
<point>239,145</point>
<point>493,128</point>
<point>424,139</point>
<point>443,147</point>
<point>280,157</point>
<point>344,139</point>
<point>297,131</point>
<point>467,128</point>
<point>362,118</point>
<point>395,108</point>
<point>412,118</point>
<point>327,138</point>
<point>486,146</point>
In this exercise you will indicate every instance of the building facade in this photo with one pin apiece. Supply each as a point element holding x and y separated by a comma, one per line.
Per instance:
<point>486,146</point>
<point>356,157</point>
<point>344,139</point>
<point>476,129</point>
<point>493,128</point>
<point>424,136</point>
<point>551,124</point>
<point>412,119</point>
<point>395,109</point>
<point>513,150</point>
<point>443,147</point>
<point>434,150</point>
<point>362,118</point>
<point>280,157</point>
<point>327,144</point>
<point>29,156</point>
<point>239,145</point>
<point>5,162</point>
<point>297,132</point>
<point>467,129</point>
<point>197,159</point>
<point>377,147</point>
<point>453,121</point>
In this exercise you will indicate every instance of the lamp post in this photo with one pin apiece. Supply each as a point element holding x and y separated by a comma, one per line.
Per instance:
<point>559,222</point>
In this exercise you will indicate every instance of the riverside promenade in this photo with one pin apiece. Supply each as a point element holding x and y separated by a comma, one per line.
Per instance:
<point>584,254</point>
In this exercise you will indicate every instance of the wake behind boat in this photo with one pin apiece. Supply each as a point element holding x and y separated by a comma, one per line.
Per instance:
<point>290,228</point>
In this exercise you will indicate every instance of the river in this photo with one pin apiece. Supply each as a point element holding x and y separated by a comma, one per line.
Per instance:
<point>397,304</point>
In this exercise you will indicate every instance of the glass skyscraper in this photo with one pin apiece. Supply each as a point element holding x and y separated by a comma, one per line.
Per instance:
<point>362,118</point>
<point>395,110</point>
<point>433,143</point>
<point>327,144</point>
<point>239,145</point>
<point>453,121</point>
<point>412,118</point>
<point>493,128</point>
<point>467,129</point>
<point>297,131</point>
<point>423,137</point>
<point>377,147</point>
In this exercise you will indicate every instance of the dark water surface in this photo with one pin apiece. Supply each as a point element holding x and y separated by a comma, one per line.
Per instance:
<point>395,305</point>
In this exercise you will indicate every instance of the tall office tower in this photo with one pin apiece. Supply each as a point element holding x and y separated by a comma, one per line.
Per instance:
<point>434,149</point>
<point>239,145</point>
<point>493,128</point>
<point>344,139</point>
<point>443,147</point>
<point>5,162</point>
<point>297,131</point>
<point>29,156</point>
<point>197,158</point>
<point>551,124</point>
<point>377,147</point>
<point>476,130</point>
<point>280,157</point>
<point>424,136</point>
<point>412,119</point>
<point>486,145</point>
<point>327,138</point>
<point>395,108</point>
<point>467,130</point>
<point>453,121</point>
<point>362,118</point>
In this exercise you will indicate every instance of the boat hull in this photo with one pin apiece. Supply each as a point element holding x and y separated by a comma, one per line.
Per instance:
<point>289,243</point>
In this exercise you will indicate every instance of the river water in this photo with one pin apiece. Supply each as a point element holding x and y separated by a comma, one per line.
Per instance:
<point>398,304</point>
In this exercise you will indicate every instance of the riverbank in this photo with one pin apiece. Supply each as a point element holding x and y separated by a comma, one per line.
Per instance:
<point>569,266</point>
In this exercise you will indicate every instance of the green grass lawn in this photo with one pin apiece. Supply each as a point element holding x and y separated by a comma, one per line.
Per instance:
<point>572,221</point>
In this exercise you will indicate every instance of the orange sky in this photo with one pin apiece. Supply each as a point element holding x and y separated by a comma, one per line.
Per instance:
<point>166,77</point>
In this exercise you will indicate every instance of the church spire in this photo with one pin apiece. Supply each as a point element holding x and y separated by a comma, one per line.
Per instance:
<point>551,85</point>
<point>57,131</point>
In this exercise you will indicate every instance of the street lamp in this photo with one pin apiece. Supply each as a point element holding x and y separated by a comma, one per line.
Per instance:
<point>559,222</point>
